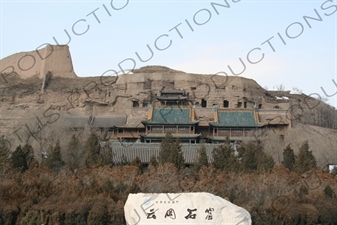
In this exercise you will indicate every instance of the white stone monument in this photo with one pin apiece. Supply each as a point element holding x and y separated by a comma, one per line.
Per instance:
<point>183,208</point>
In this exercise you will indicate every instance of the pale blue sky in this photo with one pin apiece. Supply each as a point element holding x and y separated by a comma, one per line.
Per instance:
<point>307,62</point>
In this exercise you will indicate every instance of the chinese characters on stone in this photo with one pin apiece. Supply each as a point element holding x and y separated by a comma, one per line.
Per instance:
<point>190,214</point>
<point>209,213</point>
<point>170,213</point>
<point>151,215</point>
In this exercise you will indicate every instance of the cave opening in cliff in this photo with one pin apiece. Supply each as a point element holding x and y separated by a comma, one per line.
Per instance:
<point>225,104</point>
<point>203,103</point>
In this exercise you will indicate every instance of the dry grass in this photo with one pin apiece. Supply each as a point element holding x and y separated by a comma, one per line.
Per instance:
<point>97,196</point>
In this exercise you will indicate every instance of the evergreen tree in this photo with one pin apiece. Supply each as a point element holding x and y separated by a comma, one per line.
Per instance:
<point>176,156</point>
<point>18,159</point>
<point>224,158</point>
<point>221,156</point>
<point>137,162</point>
<point>265,163</point>
<point>288,157</point>
<point>255,159</point>
<point>92,152</point>
<point>54,157</point>
<point>249,160</point>
<point>166,147</point>
<point>92,146</point>
<point>170,152</point>
<point>305,159</point>
<point>153,161</point>
<point>203,159</point>
<point>74,155</point>
<point>4,149</point>
<point>107,155</point>
<point>328,191</point>
<point>28,150</point>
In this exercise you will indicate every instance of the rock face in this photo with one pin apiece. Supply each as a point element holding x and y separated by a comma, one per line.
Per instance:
<point>37,101</point>
<point>53,58</point>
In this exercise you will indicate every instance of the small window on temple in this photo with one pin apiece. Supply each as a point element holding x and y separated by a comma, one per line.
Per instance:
<point>239,104</point>
<point>193,88</point>
<point>225,104</point>
<point>203,103</point>
<point>245,105</point>
<point>260,106</point>
<point>109,93</point>
<point>135,104</point>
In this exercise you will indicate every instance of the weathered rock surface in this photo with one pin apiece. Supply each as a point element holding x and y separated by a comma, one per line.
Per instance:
<point>31,101</point>
<point>53,58</point>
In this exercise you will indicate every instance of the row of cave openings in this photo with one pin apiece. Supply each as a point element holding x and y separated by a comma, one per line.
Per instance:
<point>135,104</point>
<point>225,104</point>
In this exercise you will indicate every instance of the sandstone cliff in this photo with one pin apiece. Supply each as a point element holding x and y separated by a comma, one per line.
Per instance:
<point>53,58</point>
<point>31,103</point>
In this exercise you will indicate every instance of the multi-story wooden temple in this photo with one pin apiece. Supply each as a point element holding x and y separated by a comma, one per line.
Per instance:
<point>180,122</point>
<point>189,122</point>
<point>192,123</point>
<point>237,125</point>
<point>143,139</point>
<point>234,124</point>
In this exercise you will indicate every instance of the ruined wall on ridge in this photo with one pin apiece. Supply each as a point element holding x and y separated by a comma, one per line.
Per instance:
<point>56,59</point>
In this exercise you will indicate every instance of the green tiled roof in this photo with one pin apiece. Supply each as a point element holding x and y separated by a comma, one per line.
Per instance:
<point>236,119</point>
<point>170,116</point>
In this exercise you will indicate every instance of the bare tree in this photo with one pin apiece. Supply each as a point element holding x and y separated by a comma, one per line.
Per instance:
<point>297,90</point>
<point>43,134</point>
<point>324,99</point>
<point>280,87</point>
